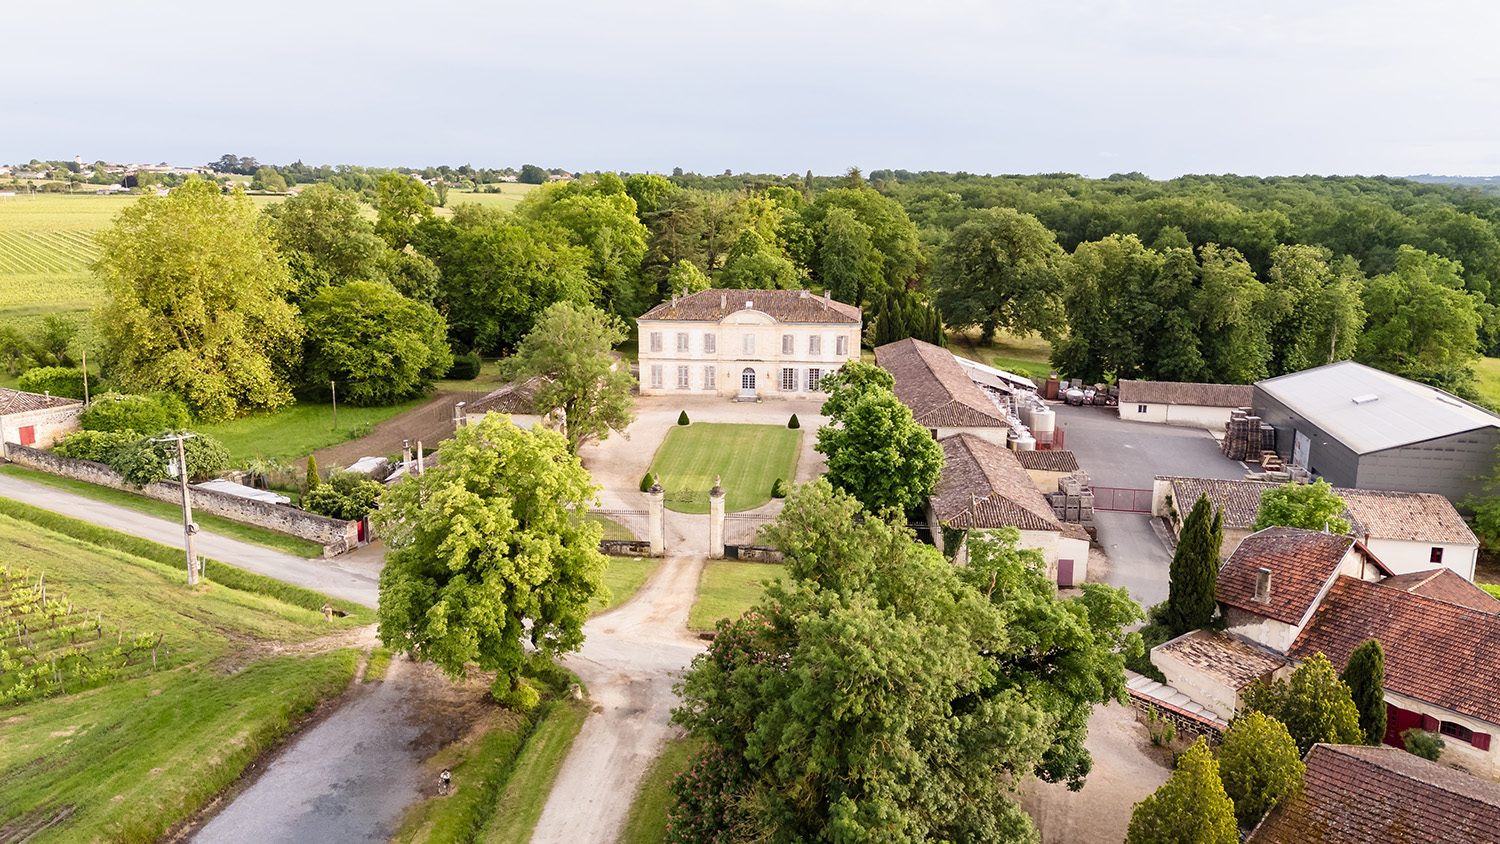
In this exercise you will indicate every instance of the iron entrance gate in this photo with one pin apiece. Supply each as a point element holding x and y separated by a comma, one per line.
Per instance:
<point>1122,500</point>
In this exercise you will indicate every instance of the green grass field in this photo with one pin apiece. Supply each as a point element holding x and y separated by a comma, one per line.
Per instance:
<point>128,759</point>
<point>648,814</point>
<point>748,458</point>
<point>1028,356</point>
<point>510,195</point>
<point>1487,380</point>
<point>297,431</point>
<point>624,577</point>
<point>727,589</point>
<point>167,510</point>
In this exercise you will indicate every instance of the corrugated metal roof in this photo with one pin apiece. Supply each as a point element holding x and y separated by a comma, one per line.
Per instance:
<point>1402,412</point>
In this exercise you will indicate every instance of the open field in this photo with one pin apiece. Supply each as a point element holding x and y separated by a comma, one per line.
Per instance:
<point>653,802</point>
<point>1487,380</point>
<point>144,749</point>
<point>1028,356</point>
<point>727,589</point>
<point>167,510</point>
<point>748,458</point>
<point>297,431</point>
<point>510,196</point>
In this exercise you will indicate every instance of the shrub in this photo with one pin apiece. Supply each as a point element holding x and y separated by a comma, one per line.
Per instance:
<point>145,461</point>
<point>793,423</point>
<point>465,367</point>
<point>1420,742</point>
<point>347,495</point>
<point>98,446</point>
<point>123,412</point>
<point>312,480</point>
<point>1259,766</point>
<point>778,488</point>
<point>646,482</point>
<point>682,418</point>
<point>54,380</point>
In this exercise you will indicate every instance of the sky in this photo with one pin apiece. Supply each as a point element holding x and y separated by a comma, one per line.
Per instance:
<point>1165,88</point>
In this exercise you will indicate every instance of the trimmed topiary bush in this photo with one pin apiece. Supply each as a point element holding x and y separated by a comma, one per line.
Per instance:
<point>122,412</point>
<point>647,481</point>
<point>793,423</point>
<point>682,418</point>
<point>53,380</point>
<point>465,367</point>
<point>778,488</point>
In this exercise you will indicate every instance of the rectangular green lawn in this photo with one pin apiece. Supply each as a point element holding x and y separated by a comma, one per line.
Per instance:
<point>748,458</point>
<point>727,589</point>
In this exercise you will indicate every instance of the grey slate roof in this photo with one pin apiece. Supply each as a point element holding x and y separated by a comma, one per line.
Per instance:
<point>1369,410</point>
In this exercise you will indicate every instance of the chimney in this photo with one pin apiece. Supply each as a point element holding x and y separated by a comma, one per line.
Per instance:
<point>674,300</point>
<point>1263,585</point>
<point>749,303</point>
<point>723,300</point>
<point>827,295</point>
<point>802,294</point>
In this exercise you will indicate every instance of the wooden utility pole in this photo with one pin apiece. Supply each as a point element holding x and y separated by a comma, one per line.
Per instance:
<point>188,528</point>
<point>85,377</point>
<point>334,386</point>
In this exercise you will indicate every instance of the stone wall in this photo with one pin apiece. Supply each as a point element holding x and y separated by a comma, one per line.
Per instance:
<point>1184,722</point>
<point>625,547</point>
<point>754,554</point>
<point>335,535</point>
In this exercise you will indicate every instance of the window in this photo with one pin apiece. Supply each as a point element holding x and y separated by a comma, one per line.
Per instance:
<point>710,343</point>
<point>710,381</point>
<point>1437,556</point>
<point>814,378</point>
<point>749,341</point>
<point>1140,408</point>
<point>787,344</point>
<point>682,341</point>
<point>788,380</point>
<point>656,376</point>
<point>1458,731</point>
<point>682,378</point>
<point>841,345</point>
<point>656,341</point>
<point>815,344</point>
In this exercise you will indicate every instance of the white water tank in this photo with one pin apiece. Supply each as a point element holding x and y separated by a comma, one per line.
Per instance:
<point>1024,442</point>
<point>1043,424</point>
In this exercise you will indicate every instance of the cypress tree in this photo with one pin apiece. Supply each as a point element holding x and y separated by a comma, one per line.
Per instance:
<point>1365,675</point>
<point>312,473</point>
<point>1194,572</point>
<point>1190,808</point>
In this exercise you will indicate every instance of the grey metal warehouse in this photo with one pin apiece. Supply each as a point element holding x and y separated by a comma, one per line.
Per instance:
<point>1359,427</point>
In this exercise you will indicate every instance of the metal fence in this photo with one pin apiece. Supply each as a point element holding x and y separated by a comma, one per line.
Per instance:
<point>1122,500</point>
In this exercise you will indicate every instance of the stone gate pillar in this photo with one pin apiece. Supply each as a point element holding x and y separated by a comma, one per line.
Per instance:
<point>716,521</point>
<point>656,516</point>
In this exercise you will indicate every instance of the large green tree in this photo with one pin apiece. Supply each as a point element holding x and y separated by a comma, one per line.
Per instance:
<point>892,234</point>
<point>401,204</point>
<point>1259,765</point>
<point>1314,704</point>
<point>597,214</point>
<point>196,303</point>
<point>1313,506</point>
<point>1001,269</point>
<point>879,693</point>
<point>851,382</point>
<point>755,264</point>
<point>1365,676</point>
<point>1189,808</point>
<point>879,454</point>
<point>1422,324</point>
<point>571,347</point>
<point>1230,306</point>
<point>379,346</point>
<point>326,238</point>
<point>1194,573</point>
<point>1317,313</point>
<point>848,266</point>
<point>488,555</point>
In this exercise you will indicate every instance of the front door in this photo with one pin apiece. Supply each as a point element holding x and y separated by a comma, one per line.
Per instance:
<point>1065,573</point>
<point>1398,721</point>
<point>747,383</point>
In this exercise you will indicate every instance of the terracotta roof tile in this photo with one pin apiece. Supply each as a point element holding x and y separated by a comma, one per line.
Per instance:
<point>515,397</point>
<point>1181,392</point>
<point>1444,584</point>
<point>1231,660</point>
<point>936,388</point>
<point>1376,514</point>
<point>784,305</point>
<point>1048,461</point>
<point>982,486</point>
<point>18,401</point>
<point>1377,795</point>
<point>1302,562</point>
<point>1435,651</point>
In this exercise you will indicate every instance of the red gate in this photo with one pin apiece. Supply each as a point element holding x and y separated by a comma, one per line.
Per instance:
<point>1121,499</point>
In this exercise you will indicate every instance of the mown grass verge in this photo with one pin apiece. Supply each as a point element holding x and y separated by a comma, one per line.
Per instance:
<point>223,574</point>
<point>653,802</point>
<point>727,589</point>
<point>624,576</point>
<point>166,510</point>
<point>513,753</point>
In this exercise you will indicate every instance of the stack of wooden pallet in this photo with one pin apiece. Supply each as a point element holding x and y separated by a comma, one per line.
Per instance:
<point>1074,499</point>
<point>1246,437</point>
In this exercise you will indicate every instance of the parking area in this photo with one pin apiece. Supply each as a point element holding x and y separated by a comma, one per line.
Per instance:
<point>1116,453</point>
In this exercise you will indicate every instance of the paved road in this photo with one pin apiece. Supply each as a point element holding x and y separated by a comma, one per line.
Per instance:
<point>353,578</point>
<point>1131,454</point>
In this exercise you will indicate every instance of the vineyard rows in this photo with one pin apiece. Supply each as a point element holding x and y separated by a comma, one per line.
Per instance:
<point>46,251</point>
<point>48,646</point>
